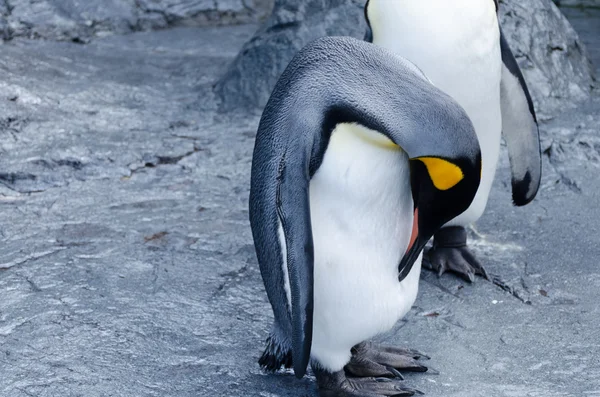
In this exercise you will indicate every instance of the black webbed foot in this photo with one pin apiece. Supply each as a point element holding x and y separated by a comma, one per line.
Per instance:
<point>369,359</point>
<point>451,254</point>
<point>338,385</point>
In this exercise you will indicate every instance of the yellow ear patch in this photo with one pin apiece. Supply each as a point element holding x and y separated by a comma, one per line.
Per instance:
<point>444,174</point>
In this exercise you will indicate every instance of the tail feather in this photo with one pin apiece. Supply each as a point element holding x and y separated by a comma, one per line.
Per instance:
<point>275,356</point>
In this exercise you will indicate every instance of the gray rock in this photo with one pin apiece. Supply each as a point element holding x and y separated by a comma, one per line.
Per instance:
<point>251,77</point>
<point>68,19</point>
<point>548,49</point>
<point>205,12</point>
<point>3,22</point>
<point>578,3</point>
<point>82,20</point>
<point>551,55</point>
<point>587,21</point>
<point>126,259</point>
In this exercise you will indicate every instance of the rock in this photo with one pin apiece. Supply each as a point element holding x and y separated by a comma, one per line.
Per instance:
<point>252,75</point>
<point>68,19</point>
<point>587,22</point>
<point>133,272</point>
<point>3,23</point>
<point>553,59</point>
<point>205,12</point>
<point>578,3</point>
<point>81,20</point>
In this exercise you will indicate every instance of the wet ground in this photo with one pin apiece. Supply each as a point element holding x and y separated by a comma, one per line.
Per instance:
<point>127,266</point>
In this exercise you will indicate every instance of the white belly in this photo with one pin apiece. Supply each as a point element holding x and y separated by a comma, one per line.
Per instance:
<point>457,45</point>
<point>361,213</point>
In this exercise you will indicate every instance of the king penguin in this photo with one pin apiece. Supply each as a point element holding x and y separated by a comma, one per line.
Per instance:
<point>460,46</point>
<point>358,160</point>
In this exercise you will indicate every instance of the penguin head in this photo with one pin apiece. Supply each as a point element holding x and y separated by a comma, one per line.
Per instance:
<point>442,189</point>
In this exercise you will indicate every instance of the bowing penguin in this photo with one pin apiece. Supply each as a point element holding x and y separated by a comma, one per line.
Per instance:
<point>358,161</point>
<point>459,45</point>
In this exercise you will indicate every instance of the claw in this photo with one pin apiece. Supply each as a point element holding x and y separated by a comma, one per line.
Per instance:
<point>417,355</point>
<point>451,254</point>
<point>336,384</point>
<point>470,276</point>
<point>372,360</point>
<point>360,366</point>
<point>395,372</point>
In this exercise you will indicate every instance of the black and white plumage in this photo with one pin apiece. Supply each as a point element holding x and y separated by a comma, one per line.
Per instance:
<point>352,145</point>
<point>459,45</point>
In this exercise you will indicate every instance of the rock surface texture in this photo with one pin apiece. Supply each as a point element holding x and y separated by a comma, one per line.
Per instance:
<point>252,75</point>
<point>579,3</point>
<point>81,20</point>
<point>552,57</point>
<point>126,258</point>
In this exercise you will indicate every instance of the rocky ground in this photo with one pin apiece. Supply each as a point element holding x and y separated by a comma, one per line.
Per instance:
<point>127,265</point>
<point>82,21</point>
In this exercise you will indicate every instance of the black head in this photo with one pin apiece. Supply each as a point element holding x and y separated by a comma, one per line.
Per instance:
<point>442,189</point>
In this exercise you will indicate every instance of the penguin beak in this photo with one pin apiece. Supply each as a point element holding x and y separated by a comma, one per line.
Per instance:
<point>415,246</point>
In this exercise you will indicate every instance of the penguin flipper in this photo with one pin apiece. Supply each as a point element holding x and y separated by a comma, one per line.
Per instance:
<point>519,128</point>
<point>293,210</point>
<point>281,226</point>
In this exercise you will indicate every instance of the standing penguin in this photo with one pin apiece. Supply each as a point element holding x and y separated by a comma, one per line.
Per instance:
<point>358,160</point>
<point>459,45</point>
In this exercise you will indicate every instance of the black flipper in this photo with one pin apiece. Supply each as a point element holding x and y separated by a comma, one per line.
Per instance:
<point>293,209</point>
<point>265,229</point>
<point>520,129</point>
<point>280,199</point>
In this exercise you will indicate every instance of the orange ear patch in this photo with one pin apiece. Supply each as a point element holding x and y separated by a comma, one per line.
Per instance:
<point>415,230</point>
<point>443,173</point>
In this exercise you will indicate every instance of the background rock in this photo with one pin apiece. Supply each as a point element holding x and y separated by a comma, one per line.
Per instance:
<point>81,20</point>
<point>127,267</point>
<point>553,59</point>
<point>578,3</point>
<point>548,49</point>
<point>252,75</point>
<point>551,55</point>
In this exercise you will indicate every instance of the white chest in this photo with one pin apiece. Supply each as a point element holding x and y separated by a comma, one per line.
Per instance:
<point>361,212</point>
<point>360,196</point>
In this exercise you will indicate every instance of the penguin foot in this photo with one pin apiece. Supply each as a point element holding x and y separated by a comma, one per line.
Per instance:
<point>336,384</point>
<point>372,360</point>
<point>451,254</point>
